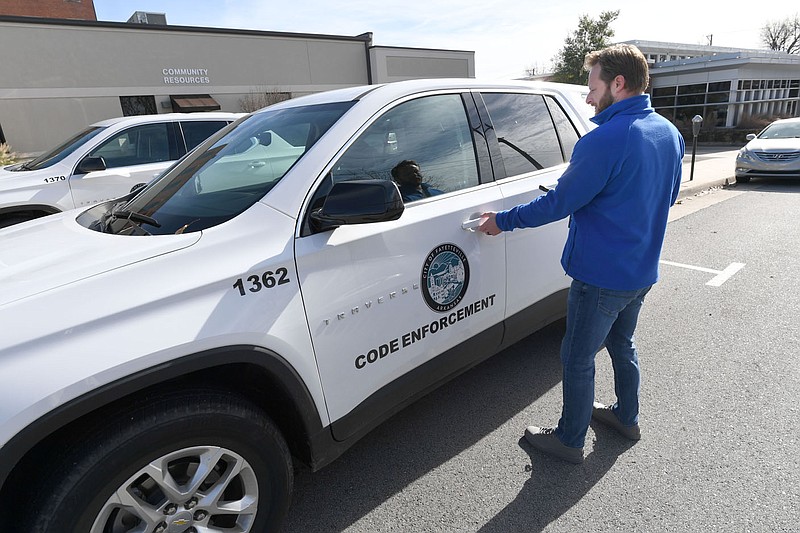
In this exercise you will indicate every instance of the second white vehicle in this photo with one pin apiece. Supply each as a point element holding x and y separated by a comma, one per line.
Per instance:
<point>102,162</point>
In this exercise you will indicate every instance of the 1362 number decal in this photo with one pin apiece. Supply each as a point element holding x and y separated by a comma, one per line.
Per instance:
<point>267,280</point>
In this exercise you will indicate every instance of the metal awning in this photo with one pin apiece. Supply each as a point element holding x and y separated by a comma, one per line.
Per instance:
<point>187,103</point>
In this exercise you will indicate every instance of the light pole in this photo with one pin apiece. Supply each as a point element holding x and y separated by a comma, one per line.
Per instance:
<point>697,121</point>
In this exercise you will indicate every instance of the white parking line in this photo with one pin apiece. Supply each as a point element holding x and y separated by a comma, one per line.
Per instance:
<point>721,275</point>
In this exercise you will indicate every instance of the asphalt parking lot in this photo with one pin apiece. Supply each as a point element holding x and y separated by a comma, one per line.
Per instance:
<point>719,415</point>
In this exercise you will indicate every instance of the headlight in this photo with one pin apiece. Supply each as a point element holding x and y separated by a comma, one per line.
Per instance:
<point>745,155</point>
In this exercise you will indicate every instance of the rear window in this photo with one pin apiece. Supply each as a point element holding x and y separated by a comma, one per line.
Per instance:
<point>525,131</point>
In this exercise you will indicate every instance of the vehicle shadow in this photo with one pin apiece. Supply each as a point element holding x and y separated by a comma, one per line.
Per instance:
<point>790,185</point>
<point>427,434</point>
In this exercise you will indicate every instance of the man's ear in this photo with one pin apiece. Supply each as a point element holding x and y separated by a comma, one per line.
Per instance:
<point>618,83</point>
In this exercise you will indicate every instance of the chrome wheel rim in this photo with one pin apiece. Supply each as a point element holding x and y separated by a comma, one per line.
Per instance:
<point>197,489</point>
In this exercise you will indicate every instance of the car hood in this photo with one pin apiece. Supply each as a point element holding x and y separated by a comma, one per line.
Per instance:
<point>50,252</point>
<point>768,145</point>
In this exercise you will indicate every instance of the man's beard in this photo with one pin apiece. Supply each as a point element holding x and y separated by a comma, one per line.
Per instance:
<point>605,101</point>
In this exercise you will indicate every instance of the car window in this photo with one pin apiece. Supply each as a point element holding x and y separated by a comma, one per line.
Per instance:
<point>51,157</point>
<point>525,131</point>
<point>148,143</point>
<point>197,131</point>
<point>567,133</point>
<point>781,130</point>
<point>424,145</point>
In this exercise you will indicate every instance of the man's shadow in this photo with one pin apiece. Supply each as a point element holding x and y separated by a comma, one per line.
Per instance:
<point>556,486</point>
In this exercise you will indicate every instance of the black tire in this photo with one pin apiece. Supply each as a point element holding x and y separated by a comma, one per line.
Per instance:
<point>742,179</point>
<point>174,430</point>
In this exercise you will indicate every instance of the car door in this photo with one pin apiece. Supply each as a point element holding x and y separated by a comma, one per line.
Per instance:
<point>535,139</point>
<point>387,302</point>
<point>131,156</point>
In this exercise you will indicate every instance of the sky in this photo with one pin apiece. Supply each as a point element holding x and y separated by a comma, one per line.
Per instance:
<point>507,37</point>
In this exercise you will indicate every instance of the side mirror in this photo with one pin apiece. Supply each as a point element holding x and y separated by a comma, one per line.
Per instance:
<point>750,136</point>
<point>358,202</point>
<point>91,164</point>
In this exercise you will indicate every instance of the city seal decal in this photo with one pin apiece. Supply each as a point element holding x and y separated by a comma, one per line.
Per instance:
<point>445,276</point>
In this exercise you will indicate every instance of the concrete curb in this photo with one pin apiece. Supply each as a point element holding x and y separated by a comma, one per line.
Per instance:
<point>691,188</point>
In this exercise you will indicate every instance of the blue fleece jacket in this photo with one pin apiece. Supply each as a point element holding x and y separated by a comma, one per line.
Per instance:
<point>620,183</point>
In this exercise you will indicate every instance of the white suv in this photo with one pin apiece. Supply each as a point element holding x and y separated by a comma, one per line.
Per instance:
<point>102,162</point>
<point>165,356</point>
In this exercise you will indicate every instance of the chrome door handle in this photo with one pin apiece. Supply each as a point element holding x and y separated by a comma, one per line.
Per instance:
<point>471,225</point>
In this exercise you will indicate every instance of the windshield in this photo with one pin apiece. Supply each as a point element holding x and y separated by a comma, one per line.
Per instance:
<point>781,130</point>
<point>61,151</point>
<point>215,184</point>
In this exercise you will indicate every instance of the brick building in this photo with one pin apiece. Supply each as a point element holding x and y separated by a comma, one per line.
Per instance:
<point>57,9</point>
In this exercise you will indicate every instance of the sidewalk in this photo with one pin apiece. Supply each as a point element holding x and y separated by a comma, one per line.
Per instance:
<point>713,167</point>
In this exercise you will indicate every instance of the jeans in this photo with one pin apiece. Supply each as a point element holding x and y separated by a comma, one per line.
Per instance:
<point>598,317</point>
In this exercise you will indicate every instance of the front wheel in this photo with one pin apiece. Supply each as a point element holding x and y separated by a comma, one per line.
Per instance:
<point>182,462</point>
<point>742,179</point>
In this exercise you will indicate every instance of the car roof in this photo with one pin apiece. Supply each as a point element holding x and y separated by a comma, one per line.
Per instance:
<point>409,87</point>
<point>169,117</point>
<point>784,120</point>
<point>575,94</point>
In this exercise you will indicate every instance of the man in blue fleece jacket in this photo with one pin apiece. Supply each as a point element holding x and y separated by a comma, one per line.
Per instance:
<point>620,183</point>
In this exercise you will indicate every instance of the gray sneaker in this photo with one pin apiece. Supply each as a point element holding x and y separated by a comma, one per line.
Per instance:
<point>604,415</point>
<point>545,440</point>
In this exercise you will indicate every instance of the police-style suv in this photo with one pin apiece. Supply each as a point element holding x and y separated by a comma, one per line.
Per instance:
<point>165,356</point>
<point>101,162</point>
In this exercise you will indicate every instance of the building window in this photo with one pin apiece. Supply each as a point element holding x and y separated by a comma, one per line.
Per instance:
<point>720,86</point>
<point>666,101</point>
<point>138,105</point>
<point>692,99</point>
<point>664,91</point>
<point>716,98</point>
<point>697,88</point>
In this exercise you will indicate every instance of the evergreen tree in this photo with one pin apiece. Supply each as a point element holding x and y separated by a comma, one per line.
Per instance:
<point>591,35</point>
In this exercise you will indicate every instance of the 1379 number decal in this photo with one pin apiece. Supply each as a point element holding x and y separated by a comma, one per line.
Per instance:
<point>267,280</point>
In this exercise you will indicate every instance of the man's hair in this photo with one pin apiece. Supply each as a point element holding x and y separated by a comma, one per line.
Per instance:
<point>621,60</point>
<point>405,169</point>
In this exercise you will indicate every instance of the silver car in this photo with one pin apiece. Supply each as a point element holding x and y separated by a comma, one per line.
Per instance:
<point>773,153</point>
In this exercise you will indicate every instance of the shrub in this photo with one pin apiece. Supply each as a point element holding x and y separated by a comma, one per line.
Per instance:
<point>756,123</point>
<point>7,156</point>
<point>260,97</point>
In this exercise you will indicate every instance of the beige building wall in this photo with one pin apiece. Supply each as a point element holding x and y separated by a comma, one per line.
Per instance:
<point>59,77</point>
<point>396,64</point>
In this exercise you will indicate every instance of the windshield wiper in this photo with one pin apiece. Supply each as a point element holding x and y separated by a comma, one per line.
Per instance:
<point>133,216</point>
<point>126,214</point>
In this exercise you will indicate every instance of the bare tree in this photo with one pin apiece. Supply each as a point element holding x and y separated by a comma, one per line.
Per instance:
<point>782,35</point>
<point>259,97</point>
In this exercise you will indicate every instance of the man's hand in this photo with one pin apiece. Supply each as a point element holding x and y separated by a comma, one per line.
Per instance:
<point>488,224</point>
